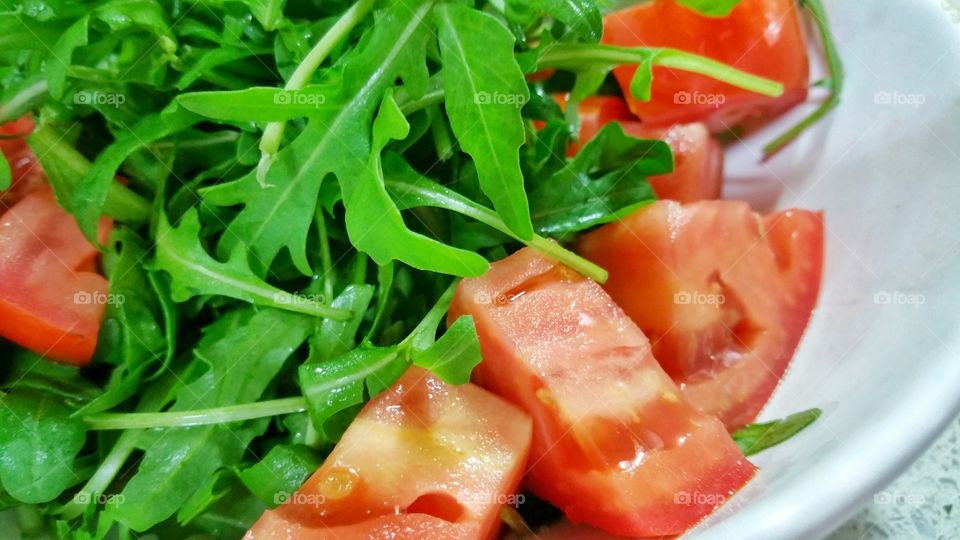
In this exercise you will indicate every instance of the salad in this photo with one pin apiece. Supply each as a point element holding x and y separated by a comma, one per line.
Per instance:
<point>393,268</point>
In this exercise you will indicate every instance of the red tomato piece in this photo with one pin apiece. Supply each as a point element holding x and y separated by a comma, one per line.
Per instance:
<point>615,444</point>
<point>423,460</point>
<point>50,301</point>
<point>762,37</point>
<point>698,158</point>
<point>724,308</point>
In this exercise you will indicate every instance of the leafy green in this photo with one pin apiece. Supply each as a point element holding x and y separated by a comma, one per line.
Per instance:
<point>243,352</point>
<point>6,176</point>
<point>605,181</point>
<point>194,272</point>
<point>755,438</point>
<point>582,17</point>
<point>337,337</point>
<point>710,8</point>
<point>485,90</point>
<point>454,355</point>
<point>281,472</point>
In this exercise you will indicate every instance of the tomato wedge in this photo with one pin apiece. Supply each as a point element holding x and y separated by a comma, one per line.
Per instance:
<point>423,460</point>
<point>724,297</point>
<point>762,37</point>
<point>50,300</point>
<point>698,158</point>
<point>615,444</point>
<point>26,172</point>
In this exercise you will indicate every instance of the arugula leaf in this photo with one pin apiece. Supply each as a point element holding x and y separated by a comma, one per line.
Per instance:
<point>582,17</point>
<point>244,351</point>
<point>194,272</point>
<point>755,438</point>
<point>216,487</point>
<point>606,180</point>
<point>6,176</point>
<point>710,8</point>
<point>337,386</point>
<point>485,90</point>
<point>454,355</point>
<point>281,472</point>
<point>39,442</point>
<point>334,142</point>
<point>262,104</point>
<point>269,13</point>
<point>334,338</point>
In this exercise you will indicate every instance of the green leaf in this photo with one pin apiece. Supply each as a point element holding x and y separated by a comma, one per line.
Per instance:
<point>194,272</point>
<point>90,195</point>
<point>62,54</point>
<point>281,472</point>
<point>582,17</point>
<point>39,442</point>
<point>485,90</point>
<point>262,104</point>
<point>269,13</point>
<point>243,351</point>
<point>755,438</point>
<point>710,8</point>
<point>454,355</point>
<point>216,487</point>
<point>606,180</point>
<point>334,142</point>
<point>334,338</point>
<point>338,385</point>
<point>6,176</point>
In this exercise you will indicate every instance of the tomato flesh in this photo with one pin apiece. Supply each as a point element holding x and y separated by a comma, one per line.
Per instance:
<point>50,301</point>
<point>698,157</point>
<point>706,283</point>
<point>25,171</point>
<point>762,37</point>
<point>422,460</point>
<point>615,444</point>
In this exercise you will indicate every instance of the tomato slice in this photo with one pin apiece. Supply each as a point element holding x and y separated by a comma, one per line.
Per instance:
<point>762,37</point>
<point>49,300</point>
<point>724,301</point>
<point>698,157</point>
<point>615,444</point>
<point>423,460</point>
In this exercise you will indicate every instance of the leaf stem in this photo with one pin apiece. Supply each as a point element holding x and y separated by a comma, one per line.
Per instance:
<point>273,133</point>
<point>834,82</point>
<point>102,477</point>
<point>578,56</point>
<point>200,417</point>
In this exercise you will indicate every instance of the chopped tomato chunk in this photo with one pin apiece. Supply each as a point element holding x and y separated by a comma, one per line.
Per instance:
<point>615,444</point>
<point>723,297</point>
<point>423,460</point>
<point>762,37</point>
<point>25,171</point>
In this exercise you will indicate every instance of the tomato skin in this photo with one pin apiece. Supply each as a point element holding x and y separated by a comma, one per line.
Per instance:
<point>614,443</point>
<point>25,171</point>
<point>762,37</point>
<point>49,300</point>
<point>445,460</point>
<point>704,281</point>
<point>698,157</point>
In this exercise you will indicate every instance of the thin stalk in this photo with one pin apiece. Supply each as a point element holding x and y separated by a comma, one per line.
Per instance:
<point>834,83</point>
<point>200,417</point>
<point>326,260</point>
<point>103,477</point>
<point>273,133</point>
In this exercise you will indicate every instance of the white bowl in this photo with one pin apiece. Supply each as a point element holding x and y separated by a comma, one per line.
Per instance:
<point>881,356</point>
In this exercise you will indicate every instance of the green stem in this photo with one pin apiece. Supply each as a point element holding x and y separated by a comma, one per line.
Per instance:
<point>273,133</point>
<point>577,57</point>
<point>103,477</point>
<point>65,166</point>
<point>201,417</point>
<point>834,82</point>
<point>326,260</point>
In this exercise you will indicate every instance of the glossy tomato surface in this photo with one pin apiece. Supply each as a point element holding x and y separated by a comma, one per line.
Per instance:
<point>51,300</point>
<point>615,443</point>
<point>698,157</point>
<point>762,37</point>
<point>423,460</point>
<point>723,295</point>
<point>25,171</point>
